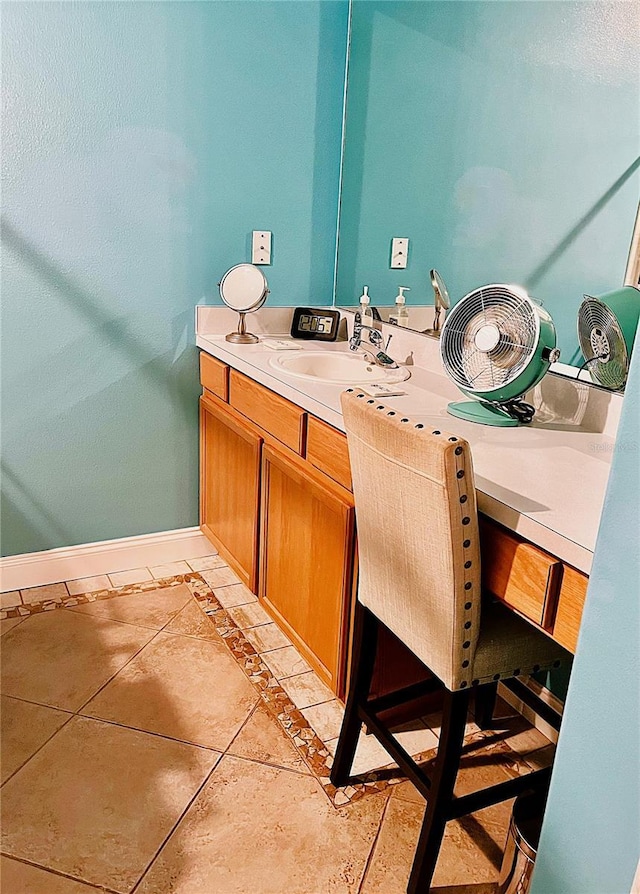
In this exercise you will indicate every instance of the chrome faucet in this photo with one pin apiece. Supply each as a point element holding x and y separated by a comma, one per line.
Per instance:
<point>375,338</point>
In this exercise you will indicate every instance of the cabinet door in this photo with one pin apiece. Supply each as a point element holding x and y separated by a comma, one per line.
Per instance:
<point>307,547</point>
<point>230,487</point>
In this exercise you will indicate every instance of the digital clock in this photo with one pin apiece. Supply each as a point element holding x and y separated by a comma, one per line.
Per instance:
<point>321,325</point>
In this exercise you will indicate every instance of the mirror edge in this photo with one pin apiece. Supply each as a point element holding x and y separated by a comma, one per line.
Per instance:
<point>632,273</point>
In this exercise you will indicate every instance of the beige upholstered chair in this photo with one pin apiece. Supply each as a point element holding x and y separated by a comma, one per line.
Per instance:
<point>420,559</point>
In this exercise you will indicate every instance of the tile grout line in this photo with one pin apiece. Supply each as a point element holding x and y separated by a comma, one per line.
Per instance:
<point>374,843</point>
<point>73,878</point>
<point>40,747</point>
<point>115,674</point>
<point>174,828</point>
<point>228,753</point>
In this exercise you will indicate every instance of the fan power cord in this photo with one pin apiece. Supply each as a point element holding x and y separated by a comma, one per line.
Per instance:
<point>519,410</point>
<point>591,360</point>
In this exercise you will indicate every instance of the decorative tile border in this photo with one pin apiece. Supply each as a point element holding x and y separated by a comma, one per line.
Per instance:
<point>35,608</point>
<point>310,747</point>
<point>291,719</point>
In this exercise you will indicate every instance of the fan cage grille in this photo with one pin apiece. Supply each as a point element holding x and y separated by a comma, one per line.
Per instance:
<point>599,330</point>
<point>476,368</point>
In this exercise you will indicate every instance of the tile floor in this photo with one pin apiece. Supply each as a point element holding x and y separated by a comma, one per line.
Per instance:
<point>160,735</point>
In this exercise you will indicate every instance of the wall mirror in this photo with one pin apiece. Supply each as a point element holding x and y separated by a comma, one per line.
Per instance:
<point>503,140</point>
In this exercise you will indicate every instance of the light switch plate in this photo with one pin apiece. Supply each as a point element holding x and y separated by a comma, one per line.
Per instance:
<point>399,252</point>
<point>261,247</point>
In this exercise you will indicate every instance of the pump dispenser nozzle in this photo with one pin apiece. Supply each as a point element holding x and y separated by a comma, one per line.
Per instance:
<point>400,317</point>
<point>365,310</point>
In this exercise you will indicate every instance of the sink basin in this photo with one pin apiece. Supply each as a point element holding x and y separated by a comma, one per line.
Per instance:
<point>336,369</point>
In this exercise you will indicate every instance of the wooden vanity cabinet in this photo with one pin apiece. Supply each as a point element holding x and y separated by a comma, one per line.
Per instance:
<point>284,525</point>
<point>276,501</point>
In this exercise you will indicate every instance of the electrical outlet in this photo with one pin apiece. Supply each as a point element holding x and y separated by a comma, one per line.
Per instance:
<point>261,247</point>
<point>399,252</point>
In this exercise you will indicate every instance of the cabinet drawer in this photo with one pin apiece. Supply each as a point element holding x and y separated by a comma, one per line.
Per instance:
<point>327,450</point>
<point>573,592</point>
<point>520,574</point>
<point>214,376</point>
<point>275,414</point>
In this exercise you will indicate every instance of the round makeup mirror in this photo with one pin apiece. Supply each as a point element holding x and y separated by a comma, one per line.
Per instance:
<point>243,288</point>
<point>441,302</point>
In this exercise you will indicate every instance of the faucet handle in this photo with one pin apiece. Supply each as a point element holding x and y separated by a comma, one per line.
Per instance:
<point>375,337</point>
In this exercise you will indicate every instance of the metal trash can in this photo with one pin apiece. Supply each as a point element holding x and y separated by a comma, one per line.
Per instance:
<point>522,843</point>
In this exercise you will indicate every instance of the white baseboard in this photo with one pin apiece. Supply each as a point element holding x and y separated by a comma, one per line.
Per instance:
<point>52,566</point>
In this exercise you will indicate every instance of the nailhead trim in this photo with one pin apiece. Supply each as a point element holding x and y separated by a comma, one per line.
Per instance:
<point>463,497</point>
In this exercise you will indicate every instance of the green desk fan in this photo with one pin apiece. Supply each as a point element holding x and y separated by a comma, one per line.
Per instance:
<point>496,344</point>
<point>606,332</point>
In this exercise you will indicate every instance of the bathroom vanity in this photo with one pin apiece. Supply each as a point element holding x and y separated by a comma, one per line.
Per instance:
<point>276,500</point>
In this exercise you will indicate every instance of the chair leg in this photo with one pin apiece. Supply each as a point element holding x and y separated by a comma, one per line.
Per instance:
<point>363,655</point>
<point>485,697</point>
<point>454,719</point>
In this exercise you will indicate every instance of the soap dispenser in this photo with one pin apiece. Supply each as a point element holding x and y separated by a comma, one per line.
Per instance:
<point>365,310</point>
<point>400,316</point>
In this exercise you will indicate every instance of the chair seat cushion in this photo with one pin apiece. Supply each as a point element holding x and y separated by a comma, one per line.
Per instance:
<point>509,646</point>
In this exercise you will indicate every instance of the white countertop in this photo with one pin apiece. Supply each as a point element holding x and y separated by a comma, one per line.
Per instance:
<point>546,480</point>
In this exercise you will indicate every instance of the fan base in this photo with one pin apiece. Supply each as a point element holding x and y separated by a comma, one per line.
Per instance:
<point>485,414</point>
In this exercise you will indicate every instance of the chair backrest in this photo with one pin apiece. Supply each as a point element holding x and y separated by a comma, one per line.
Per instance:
<point>417,522</point>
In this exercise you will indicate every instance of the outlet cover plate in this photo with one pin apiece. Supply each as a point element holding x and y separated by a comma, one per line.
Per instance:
<point>261,247</point>
<point>399,252</point>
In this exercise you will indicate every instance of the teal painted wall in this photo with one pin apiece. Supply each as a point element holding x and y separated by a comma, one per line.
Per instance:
<point>590,841</point>
<point>142,142</point>
<point>493,135</point>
